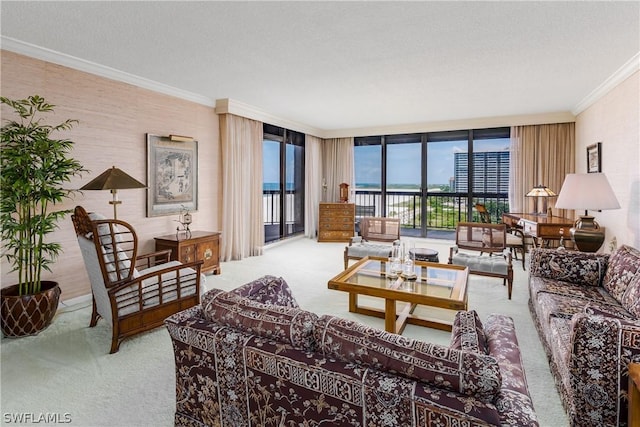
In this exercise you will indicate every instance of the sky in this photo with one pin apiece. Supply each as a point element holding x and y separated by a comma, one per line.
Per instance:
<point>403,161</point>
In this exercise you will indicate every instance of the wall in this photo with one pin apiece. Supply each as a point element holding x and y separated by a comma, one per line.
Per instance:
<point>614,120</point>
<point>114,118</point>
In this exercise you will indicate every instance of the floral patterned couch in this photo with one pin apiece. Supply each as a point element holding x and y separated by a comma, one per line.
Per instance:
<point>586,308</point>
<point>252,357</point>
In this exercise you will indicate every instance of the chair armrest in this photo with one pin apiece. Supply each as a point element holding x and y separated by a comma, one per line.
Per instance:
<point>517,231</point>
<point>154,258</point>
<point>162,285</point>
<point>580,268</point>
<point>601,349</point>
<point>355,239</point>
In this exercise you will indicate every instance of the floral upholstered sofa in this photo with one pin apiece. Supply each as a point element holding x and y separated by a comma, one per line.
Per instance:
<point>587,310</point>
<point>252,357</point>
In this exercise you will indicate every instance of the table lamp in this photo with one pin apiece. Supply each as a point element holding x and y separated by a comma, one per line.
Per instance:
<point>588,191</point>
<point>541,192</point>
<point>113,179</point>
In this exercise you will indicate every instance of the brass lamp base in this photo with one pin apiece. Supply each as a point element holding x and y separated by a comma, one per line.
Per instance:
<point>587,235</point>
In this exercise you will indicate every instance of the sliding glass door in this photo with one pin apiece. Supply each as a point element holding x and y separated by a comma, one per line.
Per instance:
<point>431,181</point>
<point>283,183</point>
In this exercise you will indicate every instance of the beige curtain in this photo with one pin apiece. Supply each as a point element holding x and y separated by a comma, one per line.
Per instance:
<point>312,184</point>
<point>242,221</point>
<point>337,159</point>
<point>540,154</point>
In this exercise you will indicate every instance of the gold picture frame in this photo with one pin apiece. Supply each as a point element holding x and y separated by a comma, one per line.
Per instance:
<point>172,175</point>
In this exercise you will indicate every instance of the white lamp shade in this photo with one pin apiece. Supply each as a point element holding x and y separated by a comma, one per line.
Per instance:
<point>587,191</point>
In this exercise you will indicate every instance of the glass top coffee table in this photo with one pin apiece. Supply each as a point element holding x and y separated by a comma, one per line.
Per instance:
<point>441,286</point>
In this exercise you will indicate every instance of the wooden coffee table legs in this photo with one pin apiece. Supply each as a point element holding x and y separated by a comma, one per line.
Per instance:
<point>396,315</point>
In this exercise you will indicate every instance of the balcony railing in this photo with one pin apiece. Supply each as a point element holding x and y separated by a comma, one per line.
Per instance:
<point>443,209</point>
<point>271,206</point>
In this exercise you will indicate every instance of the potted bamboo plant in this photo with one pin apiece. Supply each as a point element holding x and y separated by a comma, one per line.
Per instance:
<point>34,166</point>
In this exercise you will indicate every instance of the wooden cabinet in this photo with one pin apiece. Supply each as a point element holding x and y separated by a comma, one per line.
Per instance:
<point>201,245</point>
<point>336,222</point>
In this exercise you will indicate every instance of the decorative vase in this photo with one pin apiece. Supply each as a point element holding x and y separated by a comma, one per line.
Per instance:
<point>28,314</point>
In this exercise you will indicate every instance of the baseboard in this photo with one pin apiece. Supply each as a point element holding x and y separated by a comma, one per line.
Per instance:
<point>75,303</point>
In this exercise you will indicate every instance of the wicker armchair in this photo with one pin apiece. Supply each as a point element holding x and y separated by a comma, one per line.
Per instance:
<point>515,237</point>
<point>133,296</point>
<point>482,237</point>
<point>373,229</point>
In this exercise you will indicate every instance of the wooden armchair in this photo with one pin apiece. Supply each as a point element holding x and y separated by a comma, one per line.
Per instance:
<point>380,229</point>
<point>133,296</point>
<point>515,237</point>
<point>482,237</point>
<point>373,229</point>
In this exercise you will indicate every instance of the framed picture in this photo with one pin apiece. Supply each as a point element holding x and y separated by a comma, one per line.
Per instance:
<point>594,158</point>
<point>172,175</point>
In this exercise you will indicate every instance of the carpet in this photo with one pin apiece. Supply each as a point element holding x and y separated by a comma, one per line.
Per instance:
<point>65,374</point>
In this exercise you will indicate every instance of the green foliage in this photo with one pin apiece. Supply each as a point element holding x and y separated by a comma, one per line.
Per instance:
<point>34,167</point>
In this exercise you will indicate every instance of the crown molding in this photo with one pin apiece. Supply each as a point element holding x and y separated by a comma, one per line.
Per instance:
<point>624,72</point>
<point>65,60</point>
<point>231,106</point>
<point>239,108</point>
<point>477,123</point>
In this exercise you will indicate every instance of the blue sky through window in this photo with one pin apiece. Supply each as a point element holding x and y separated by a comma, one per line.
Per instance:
<point>403,165</point>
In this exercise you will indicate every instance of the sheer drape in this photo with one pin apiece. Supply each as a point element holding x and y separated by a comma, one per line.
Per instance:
<point>540,154</point>
<point>312,184</point>
<point>242,221</point>
<point>337,159</point>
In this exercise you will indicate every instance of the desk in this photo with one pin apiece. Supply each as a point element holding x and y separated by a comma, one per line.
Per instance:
<point>540,228</point>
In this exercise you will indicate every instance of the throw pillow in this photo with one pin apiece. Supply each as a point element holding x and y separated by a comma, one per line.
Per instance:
<point>464,372</point>
<point>468,333</point>
<point>285,324</point>
<point>580,268</point>
<point>268,290</point>
<point>631,297</point>
<point>623,266</point>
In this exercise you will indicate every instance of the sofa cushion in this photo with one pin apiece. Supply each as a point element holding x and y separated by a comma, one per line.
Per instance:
<point>468,333</point>
<point>631,297</point>
<point>607,310</point>
<point>623,266</point>
<point>285,324</point>
<point>598,294</point>
<point>268,290</point>
<point>481,264</point>
<point>465,372</point>
<point>579,268</point>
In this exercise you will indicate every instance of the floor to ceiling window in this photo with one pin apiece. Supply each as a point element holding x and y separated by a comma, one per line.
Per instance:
<point>424,179</point>
<point>283,182</point>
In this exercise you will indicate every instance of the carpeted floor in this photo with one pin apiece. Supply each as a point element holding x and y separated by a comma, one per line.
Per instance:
<point>66,373</point>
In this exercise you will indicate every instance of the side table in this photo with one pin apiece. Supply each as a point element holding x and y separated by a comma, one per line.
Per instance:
<point>425,254</point>
<point>200,245</point>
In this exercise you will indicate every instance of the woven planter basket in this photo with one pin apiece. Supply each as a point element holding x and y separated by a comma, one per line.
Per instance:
<point>28,314</point>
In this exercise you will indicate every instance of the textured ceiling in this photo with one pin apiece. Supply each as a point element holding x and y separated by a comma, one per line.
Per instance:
<point>339,65</point>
